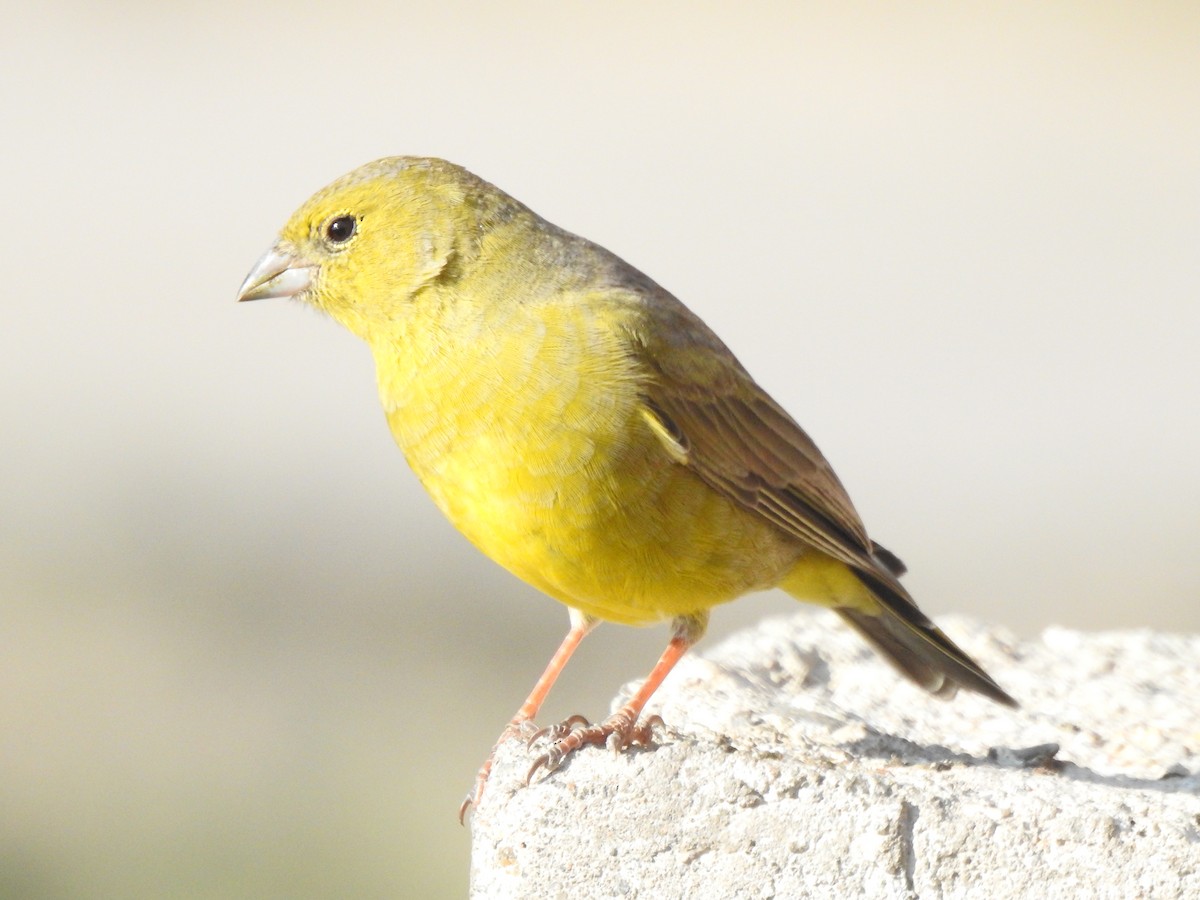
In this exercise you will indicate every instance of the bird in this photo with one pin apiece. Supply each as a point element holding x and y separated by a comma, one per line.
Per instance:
<point>587,431</point>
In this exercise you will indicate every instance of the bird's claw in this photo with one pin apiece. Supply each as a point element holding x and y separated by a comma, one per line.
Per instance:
<point>556,733</point>
<point>617,732</point>
<point>472,799</point>
<point>518,728</point>
<point>526,730</point>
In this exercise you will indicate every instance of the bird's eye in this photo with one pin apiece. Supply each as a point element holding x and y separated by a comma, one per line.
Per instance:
<point>341,229</point>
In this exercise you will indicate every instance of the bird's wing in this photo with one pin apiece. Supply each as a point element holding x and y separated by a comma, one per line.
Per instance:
<point>713,417</point>
<point>717,420</point>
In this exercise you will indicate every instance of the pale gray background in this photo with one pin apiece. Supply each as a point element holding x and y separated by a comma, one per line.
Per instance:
<point>240,653</point>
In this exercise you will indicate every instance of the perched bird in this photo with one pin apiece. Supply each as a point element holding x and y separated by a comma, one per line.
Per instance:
<point>586,430</point>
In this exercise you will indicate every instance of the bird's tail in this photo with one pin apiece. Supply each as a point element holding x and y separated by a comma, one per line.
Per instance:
<point>891,622</point>
<point>914,645</point>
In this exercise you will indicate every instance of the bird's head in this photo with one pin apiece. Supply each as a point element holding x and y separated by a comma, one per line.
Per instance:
<point>361,248</point>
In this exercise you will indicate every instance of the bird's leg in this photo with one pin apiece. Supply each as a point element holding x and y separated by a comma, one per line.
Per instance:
<point>521,723</point>
<point>622,729</point>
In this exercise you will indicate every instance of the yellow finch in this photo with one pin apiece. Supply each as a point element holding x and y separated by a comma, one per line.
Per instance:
<point>585,429</point>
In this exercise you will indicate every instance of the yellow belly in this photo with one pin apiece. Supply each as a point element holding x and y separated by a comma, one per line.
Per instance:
<point>531,440</point>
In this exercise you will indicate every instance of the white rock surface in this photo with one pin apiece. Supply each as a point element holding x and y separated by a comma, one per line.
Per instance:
<point>796,764</point>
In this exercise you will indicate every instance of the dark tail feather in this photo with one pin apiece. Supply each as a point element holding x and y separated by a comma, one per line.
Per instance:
<point>890,560</point>
<point>917,647</point>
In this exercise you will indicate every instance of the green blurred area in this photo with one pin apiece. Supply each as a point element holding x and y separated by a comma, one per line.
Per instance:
<point>240,653</point>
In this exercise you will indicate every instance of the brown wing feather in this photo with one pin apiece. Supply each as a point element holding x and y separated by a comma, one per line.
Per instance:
<point>743,444</point>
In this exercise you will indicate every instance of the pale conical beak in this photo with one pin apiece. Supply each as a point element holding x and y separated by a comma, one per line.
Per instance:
<point>278,274</point>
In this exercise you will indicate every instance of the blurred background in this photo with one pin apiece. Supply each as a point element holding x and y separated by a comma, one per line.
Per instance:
<point>241,655</point>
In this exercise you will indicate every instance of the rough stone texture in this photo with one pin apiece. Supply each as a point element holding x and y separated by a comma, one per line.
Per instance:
<point>796,764</point>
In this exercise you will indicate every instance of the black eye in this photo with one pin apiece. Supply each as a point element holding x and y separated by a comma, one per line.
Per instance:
<point>341,229</point>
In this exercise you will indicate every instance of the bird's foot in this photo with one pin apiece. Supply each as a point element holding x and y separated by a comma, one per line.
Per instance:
<point>517,728</point>
<point>618,732</point>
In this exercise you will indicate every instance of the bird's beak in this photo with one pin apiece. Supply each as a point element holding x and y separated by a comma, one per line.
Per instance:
<point>280,273</point>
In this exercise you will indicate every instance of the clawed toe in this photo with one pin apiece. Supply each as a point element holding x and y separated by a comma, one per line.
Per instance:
<point>640,734</point>
<point>518,728</point>
<point>556,733</point>
<point>618,732</point>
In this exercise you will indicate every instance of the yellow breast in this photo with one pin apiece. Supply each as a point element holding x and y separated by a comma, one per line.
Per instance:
<point>524,423</point>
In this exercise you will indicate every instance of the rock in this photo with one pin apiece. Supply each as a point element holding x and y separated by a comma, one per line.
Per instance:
<point>795,763</point>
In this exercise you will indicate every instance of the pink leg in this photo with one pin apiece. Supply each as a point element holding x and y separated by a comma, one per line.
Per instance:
<point>621,729</point>
<point>580,626</point>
